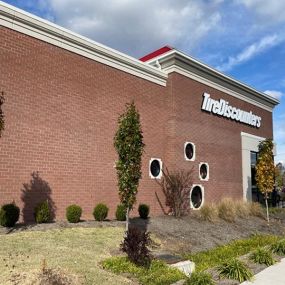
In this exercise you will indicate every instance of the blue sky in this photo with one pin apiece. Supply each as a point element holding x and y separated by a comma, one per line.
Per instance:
<point>242,38</point>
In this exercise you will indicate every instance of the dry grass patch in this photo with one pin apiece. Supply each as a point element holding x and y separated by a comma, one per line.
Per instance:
<point>227,210</point>
<point>77,251</point>
<point>256,210</point>
<point>242,209</point>
<point>209,212</point>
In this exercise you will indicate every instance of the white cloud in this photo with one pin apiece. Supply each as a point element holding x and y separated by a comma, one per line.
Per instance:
<point>251,51</point>
<point>270,11</point>
<point>137,27</point>
<point>274,93</point>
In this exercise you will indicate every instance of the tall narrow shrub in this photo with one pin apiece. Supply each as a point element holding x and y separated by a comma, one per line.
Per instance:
<point>265,170</point>
<point>128,142</point>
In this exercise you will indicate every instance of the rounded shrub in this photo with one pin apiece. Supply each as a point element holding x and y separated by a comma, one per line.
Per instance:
<point>279,247</point>
<point>143,211</point>
<point>73,213</point>
<point>100,212</point>
<point>262,256</point>
<point>9,215</point>
<point>234,269</point>
<point>121,213</point>
<point>42,213</point>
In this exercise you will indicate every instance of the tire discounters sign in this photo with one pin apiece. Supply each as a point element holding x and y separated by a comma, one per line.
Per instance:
<point>222,108</point>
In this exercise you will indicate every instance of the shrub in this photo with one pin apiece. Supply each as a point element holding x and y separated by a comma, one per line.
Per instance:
<point>200,278</point>
<point>9,215</point>
<point>209,213</point>
<point>242,209</point>
<point>100,212</point>
<point>42,213</point>
<point>121,212</point>
<point>226,209</point>
<point>235,269</point>
<point>279,247</point>
<point>73,213</point>
<point>135,245</point>
<point>262,256</point>
<point>256,210</point>
<point>176,188</point>
<point>143,211</point>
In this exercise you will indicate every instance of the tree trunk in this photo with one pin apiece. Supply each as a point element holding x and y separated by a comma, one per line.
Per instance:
<point>267,212</point>
<point>127,219</point>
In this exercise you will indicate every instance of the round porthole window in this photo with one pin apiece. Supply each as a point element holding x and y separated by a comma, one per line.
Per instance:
<point>189,151</point>
<point>204,171</point>
<point>155,168</point>
<point>196,197</point>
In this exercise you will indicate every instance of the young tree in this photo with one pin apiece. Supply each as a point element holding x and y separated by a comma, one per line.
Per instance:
<point>128,142</point>
<point>1,112</point>
<point>265,170</point>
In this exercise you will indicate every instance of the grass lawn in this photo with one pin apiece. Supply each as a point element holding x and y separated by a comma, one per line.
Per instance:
<point>77,251</point>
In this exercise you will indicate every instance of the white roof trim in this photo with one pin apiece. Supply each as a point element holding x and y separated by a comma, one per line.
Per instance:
<point>212,84</point>
<point>26,23</point>
<point>213,71</point>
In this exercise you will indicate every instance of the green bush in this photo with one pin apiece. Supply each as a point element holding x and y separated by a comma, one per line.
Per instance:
<point>262,256</point>
<point>73,213</point>
<point>121,213</point>
<point>235,269</point>
<point>42,213</point>
<point>200,278</point>
<point>100,212</point>
<point>279,247</point>
<point>9,215</point>
<point>143,211</point>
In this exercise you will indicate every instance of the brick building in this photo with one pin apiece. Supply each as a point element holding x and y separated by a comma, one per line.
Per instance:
<point>63,94</point>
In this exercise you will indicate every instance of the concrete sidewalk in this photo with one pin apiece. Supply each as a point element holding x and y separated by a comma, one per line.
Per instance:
<point>274,275</point>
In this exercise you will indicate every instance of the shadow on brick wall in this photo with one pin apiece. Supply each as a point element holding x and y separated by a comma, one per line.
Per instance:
<point>33,193</point>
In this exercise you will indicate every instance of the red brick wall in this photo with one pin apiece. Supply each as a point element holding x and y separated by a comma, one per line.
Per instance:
<point>217,139</point>
<point>61,115</point>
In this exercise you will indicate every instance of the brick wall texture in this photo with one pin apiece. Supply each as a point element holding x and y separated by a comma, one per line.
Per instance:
<point>61,114</point>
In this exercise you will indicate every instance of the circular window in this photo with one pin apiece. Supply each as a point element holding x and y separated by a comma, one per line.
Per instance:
<point>155,168</point>
<point>204,171</point>
<point>189,151</point>
<point>196,197</point>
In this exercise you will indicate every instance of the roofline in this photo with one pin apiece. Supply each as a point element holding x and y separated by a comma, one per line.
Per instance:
<point>29,24</point>
<point>214,72</point>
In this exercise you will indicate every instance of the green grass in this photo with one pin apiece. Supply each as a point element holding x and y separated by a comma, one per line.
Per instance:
<point>211,258</point>
<point>78,251</point>
<point>157,274</point>
<point>262,256</point>
<point>234,269</point>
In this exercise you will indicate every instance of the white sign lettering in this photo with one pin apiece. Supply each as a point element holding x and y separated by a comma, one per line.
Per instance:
<point>221,107</point>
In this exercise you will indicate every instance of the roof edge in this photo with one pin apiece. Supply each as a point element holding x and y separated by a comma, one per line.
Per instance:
<point>29,24</point>
<point>175,54</point>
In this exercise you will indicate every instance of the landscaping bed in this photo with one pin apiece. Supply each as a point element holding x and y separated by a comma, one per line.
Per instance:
<point>76,251</point>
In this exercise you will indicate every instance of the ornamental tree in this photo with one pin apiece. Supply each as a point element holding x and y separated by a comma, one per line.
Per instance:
<point>265,170</point>
<point>128,142</point>
<point>1,113</point>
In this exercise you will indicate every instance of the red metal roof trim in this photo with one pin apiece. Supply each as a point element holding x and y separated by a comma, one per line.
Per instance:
<point>156,53</point>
